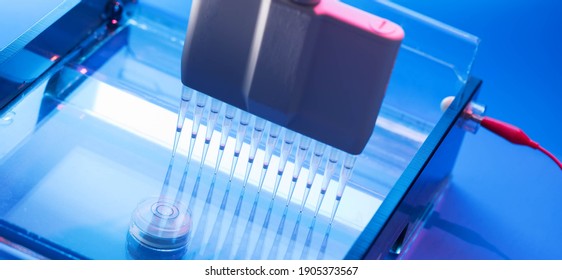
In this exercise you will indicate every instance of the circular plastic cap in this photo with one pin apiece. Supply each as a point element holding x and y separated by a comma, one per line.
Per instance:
<point>159,229</point>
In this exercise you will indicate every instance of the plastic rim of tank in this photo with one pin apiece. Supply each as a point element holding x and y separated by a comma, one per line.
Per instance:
<point>159,229</point>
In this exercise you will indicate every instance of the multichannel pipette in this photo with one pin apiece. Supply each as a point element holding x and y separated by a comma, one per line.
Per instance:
<point>319,85</point>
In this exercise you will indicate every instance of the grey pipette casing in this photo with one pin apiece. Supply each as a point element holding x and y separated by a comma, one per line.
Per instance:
<point>319,68</point>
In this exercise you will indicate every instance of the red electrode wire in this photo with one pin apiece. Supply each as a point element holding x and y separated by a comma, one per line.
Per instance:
<point>515,135</point>
<point>550,155</point>
<point>511,133</point>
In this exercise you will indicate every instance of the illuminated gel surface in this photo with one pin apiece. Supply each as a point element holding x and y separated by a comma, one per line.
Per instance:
<point>90,144</point>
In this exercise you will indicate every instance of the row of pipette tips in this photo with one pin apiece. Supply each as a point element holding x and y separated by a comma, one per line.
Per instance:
<point>271,138</point>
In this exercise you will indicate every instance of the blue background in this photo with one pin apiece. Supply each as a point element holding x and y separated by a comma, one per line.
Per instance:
<point>505,201</point>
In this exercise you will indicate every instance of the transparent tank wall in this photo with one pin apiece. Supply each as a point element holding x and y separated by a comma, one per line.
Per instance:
<point>92,141</point>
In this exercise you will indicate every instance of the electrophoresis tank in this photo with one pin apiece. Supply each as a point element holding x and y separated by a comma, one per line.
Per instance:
<point>212,129</point>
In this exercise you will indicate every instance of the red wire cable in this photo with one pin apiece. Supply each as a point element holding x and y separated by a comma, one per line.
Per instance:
<point>515,135</point>
<point>550,155</point>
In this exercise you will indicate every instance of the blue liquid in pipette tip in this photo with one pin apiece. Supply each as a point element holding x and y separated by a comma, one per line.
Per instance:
<point>293,241</point>
<point>244,242</point>
<point>166,183</point>
<point>197,241</point>
<point>275,246</point>
<point>308,241</point>
<point>258,250</point>
<point>211,246</point>
<point>324,245</point>
<point>197,247</point>
<point>227,244</point>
